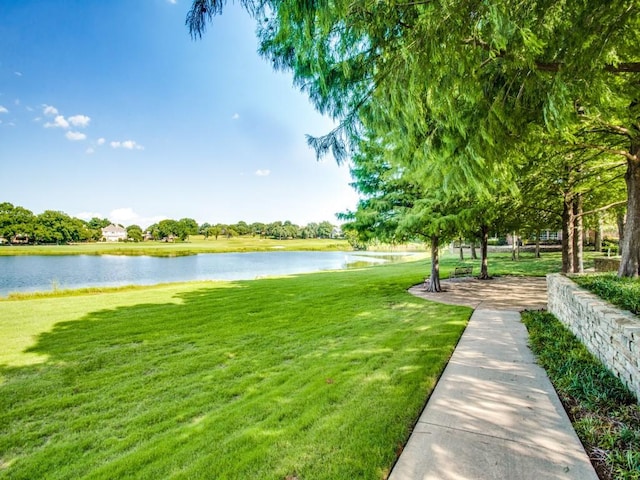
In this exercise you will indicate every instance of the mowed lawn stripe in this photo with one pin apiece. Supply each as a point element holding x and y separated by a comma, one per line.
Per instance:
<point>316,376</point>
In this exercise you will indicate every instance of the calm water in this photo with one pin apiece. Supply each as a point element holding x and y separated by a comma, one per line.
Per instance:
<point>42,273</point>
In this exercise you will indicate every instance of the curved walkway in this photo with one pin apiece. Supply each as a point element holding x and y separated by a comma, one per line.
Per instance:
<point>494,413</point>
<point>499,293</point>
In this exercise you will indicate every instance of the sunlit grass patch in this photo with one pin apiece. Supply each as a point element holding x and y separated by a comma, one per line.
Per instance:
<point>316,376</point>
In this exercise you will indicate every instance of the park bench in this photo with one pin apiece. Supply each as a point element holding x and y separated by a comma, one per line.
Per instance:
<point>461,272</point>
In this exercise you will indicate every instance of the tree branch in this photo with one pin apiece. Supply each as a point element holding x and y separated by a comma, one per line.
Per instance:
<point>601,209</point>
<point>612,129</point>
<point>613,151</point>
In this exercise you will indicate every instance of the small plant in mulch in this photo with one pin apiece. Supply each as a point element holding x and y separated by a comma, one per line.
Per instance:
<point>605,415</point>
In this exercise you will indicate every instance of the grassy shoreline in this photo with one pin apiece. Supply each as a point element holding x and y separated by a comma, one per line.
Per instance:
<point>311,376</point>
<point>197,244</point>
<point>193,247</point>
<point>500,264</point>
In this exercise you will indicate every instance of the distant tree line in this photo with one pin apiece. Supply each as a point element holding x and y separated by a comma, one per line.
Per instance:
<point>278,230</point>
<point>20,225</point>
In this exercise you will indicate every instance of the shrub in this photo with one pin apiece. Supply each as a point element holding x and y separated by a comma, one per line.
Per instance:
<point>622,292</point>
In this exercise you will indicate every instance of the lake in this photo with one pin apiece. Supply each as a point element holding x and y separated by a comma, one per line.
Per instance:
<point>35,273</point>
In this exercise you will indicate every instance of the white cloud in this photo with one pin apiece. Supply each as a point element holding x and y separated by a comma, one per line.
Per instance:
<point>89,151</point>
<point>236,116</point>
<point>74,136</point>
<point>172,2</point>
<point>58,122</point>
<point>127,144</point>
<point>18,74</point>
<point>3,109</point>
<point>130,144</point>
<point>49,110</point>
<point>101,141</point>
<point>263,173</point>
<point>123,215</point>
<point>127,216</point>
<point>79,121</point>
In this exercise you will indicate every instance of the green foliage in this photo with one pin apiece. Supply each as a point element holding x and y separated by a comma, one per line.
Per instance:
<point>134,233</point>
<point>266,379</point>
<point>605,414</point>
<point>18,225</point>
<point>539,97</point>
<point>15,221</point>
<point>623,292</point>
<point>186,227</point>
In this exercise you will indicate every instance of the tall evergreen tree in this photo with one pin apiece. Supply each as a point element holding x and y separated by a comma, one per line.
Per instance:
<point>467,79</point>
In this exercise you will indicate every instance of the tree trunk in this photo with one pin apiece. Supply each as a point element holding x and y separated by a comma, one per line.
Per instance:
<point>620,222</point>
<point>434,279</point>
<point>567,233</point>
<point>630,243</point>
<point>598,238</point>
<point>513,246</point>
<point>578,238</point>
<point>484,242</point>
<point>538,243</point>
<point>461,252</point>
<point>474,254</point>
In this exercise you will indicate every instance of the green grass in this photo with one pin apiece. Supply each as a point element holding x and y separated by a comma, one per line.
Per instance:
<point>501,264</point>
<point>604,413</point>
<point>622,292</point>
<point>197,244</point>
<point>316,376</point>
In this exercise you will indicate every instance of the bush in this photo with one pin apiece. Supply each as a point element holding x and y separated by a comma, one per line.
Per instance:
<point>610,247</point>
<point>622,292</point>
<point>495,242</point>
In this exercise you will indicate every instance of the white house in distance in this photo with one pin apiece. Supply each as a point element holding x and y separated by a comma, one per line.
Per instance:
<point>114,233</point>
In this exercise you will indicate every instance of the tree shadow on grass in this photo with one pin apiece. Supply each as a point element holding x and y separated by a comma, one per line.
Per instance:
<point>193,385</point>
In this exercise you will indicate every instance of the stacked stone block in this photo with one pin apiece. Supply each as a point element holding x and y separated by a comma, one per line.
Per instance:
<point>611,334</point>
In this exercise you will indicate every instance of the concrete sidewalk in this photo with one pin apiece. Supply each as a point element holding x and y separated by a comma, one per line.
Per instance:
<point>493,414</point>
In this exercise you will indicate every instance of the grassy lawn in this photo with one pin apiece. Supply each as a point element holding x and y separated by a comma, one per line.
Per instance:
<point>501,264</point>
<point>316,376</point>
<point>197,244</point>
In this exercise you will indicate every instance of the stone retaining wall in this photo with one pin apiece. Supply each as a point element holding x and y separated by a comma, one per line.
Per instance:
<point>611,334</point>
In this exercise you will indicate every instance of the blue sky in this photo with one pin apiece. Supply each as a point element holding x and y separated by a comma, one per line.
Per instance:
<point>109,109</point>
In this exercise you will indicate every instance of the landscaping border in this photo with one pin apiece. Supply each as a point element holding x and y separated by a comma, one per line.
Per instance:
<point>611,334</point>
